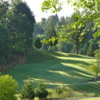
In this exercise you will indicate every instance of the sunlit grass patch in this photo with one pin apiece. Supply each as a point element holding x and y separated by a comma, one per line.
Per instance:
<point>88,87</point>
<point>62,68</point>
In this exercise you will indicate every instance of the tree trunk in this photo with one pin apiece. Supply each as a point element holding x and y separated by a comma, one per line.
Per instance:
<point>76,50</point>
<point>50,48</point>
<point>96,77</point>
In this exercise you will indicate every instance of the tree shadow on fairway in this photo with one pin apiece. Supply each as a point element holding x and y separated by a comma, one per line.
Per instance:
<point>71,72</point>
<point>89,87</point>
<point>59,74</point>
<point>76,62</point>
<point>69,55</point>
<point>79,56</point>
<point>58,54</point>
<point>53,72</point>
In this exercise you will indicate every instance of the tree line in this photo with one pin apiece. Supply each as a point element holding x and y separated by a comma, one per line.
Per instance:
<point>16,29</point>
<point>19,32</point>
<point>71,34</point>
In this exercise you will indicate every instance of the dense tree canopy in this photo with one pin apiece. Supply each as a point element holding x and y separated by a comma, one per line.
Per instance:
<point>74,33</point>
<point>5,44</point>
<point>50,37</point>
<point>90,9</point>
<point>16,29</point>
<point>21,25</point>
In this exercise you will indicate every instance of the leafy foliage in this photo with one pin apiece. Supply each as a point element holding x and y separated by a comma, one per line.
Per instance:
<point>4,6</point>
<point>63,92</point>
<point>41,91</point>
<point>64,46</point>
<point>38,43</point>
<point>21,24</point>
<point>5,44</point>
<point>53,5</point>
<point>27,91</point>
<point>73,32</point>
<point>90,9</point>
<point>96,68</point>
<point>8,88</point>
<point>92,47</point>
<point>51,42</point>
<point>50,37</point>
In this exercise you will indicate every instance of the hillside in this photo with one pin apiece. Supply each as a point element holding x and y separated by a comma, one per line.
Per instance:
<point>55,68</point>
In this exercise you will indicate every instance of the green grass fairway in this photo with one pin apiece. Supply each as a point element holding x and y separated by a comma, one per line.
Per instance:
<point>61,68</point>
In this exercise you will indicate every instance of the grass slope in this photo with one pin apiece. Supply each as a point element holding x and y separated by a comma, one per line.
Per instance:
<point>56,69</point>
<point>95,98</point>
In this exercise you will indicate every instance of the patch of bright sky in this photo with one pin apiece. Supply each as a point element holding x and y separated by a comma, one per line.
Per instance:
<point>35,6</point>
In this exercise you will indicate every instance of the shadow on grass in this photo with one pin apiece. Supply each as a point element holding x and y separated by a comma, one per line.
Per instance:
<point>79,56</point>
<point>79,62</point>
<point>69,55</point>
<point>89,87</point>
<point>60,74</point>
<point>52,71</point>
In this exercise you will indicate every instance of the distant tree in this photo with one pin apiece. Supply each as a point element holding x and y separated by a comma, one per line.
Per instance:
<point>64,47</point>
<point>50,37</point>
<point>50,42</point>
<point>38,43</point>
<point>90,9</point>
<point>84,48</point>
<point>90,29</point>
<point>38,29</point>
<point>60,22</point>
<point>44,23</point>
<point>53,19</point>
<point>92,47</point>
<point>96,67</point>
<point>73,32</point>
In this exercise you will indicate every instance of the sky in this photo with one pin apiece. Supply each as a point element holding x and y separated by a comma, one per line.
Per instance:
<point>35,7</point>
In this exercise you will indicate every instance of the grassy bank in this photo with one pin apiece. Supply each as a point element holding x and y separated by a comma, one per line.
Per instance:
<point>56,69</point>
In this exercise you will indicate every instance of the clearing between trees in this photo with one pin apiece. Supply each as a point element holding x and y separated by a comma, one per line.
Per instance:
<point>58,69</point>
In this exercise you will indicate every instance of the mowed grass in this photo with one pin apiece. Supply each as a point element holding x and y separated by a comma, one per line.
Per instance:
<point>55,68</point>
<point>95,98</point>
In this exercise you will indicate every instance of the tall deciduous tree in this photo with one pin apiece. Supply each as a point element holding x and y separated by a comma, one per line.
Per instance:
<point>4,6</point>
<point>96,68</point>
<point>73,32</point>
<point>90,9</point>
<point>5,44</point>
<point>21,25</point>
<point>92,47</point>
<point>50,37</point>
<point>53,19</point>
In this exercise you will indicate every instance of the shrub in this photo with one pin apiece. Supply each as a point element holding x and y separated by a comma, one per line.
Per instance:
<point>8,88</point>
<point>38,43</point>
<point>27,91</point>
<point>63,92</point>
<point>41,91</point>
<point>60,89</point>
